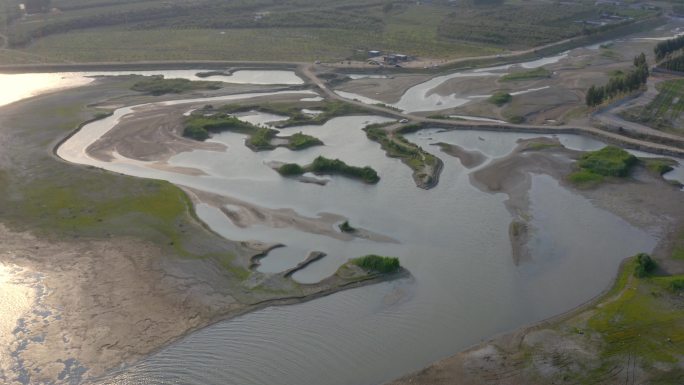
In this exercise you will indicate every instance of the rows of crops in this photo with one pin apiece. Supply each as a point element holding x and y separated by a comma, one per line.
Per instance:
<point>665,110</point>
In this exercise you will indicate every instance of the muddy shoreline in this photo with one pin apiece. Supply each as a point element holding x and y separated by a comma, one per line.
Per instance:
<point>121,289</point>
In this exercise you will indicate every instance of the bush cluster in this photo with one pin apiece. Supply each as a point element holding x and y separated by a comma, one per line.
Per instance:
<point>644,265</point>
<point>380,264</point>
<point>608,161</point>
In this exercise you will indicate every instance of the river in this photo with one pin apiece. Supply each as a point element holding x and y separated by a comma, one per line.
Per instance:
<point>464,284</point>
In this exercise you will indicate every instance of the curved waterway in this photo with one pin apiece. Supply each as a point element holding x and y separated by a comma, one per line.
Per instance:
<point>454,239</point>
<point>464,285</point>
<point>422,97</point>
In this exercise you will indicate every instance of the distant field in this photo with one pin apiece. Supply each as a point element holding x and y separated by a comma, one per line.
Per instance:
<point>103,30</point>
<point>666,111</point>
<point>291,44</point>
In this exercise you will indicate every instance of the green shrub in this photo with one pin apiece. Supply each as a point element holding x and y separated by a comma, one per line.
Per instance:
<point>197,133</point>
<point>584,177</point>
<point>345,227</point>
<point>301,141</point>
<point>380,264</point>
<point>677,285</point>
<point>261,138</point>
<point>608,161</point>
<point>157,85</point>
<point>198,127</point>
<point>323,165</point>
<point>291,169</point>
<point>659,166</point>
<point>500,98</point>
<point>644,265</point>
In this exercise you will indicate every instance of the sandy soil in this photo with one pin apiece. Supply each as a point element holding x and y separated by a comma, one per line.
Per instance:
<point>103,303</point>
<point>17,297</point>
<point>100,303</point>
<point>511,175</point>
<point>388,90</point>
<point>244,214</point>
<point>645,200</point>
<point>464,87</point>
<point>469,159</point>
<point>154,133</point>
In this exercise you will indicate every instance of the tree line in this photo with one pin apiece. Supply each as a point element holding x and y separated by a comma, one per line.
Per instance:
<point>664,48</point>
<point>674,64</point>
<point>620,83</point>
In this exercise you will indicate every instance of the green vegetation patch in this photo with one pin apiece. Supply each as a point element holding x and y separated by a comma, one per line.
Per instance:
<point>620,83</point>
<point>345,227</point>
<point>500,98</point>
<point>644,321</point>
<point>678,247</point>
<point>608,161</point>
<point>677,284</point>
<point>260,139</point>
<point>659,166</point>
<point>198,126</point>
<point>291,169</point>
<point>157,85</point>
<point>644,265</point>
<point>300,141</point>
<point>377,263</point>
<point>585,178</point>
<point>57,201</point>
<point>325,166</point>
<point>534,74</point>
<point>397,146</point>
<point>595,166</point>
<point>665,111</point>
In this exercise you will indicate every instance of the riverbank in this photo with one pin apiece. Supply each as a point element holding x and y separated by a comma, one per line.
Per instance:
<point>126,264</point>
<point>574,346</point>
<point>584,345</point>
<point>186,251</point>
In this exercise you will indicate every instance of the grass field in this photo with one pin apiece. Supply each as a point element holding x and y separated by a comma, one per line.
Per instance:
<point>644,322</point>
<point>534,74</point>
<point>59,201</point>
<point>294,30</point>
<point>666,111</point>
<point>288,44</point>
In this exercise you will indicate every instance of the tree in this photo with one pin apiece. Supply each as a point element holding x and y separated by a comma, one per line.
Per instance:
<point>644,265</point>
<point>640,60</point>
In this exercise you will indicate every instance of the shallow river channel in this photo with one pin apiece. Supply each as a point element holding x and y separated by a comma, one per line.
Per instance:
<point>464,285</point>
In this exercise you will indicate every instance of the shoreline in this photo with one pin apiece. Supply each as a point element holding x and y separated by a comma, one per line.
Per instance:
<point>120,290</point>
<point>302,298</point>
<point>472,365</point>
<point>284,301</point>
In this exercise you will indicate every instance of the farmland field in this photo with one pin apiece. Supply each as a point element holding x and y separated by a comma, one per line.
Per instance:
<point>77,30</point>
<point>665,112</point>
